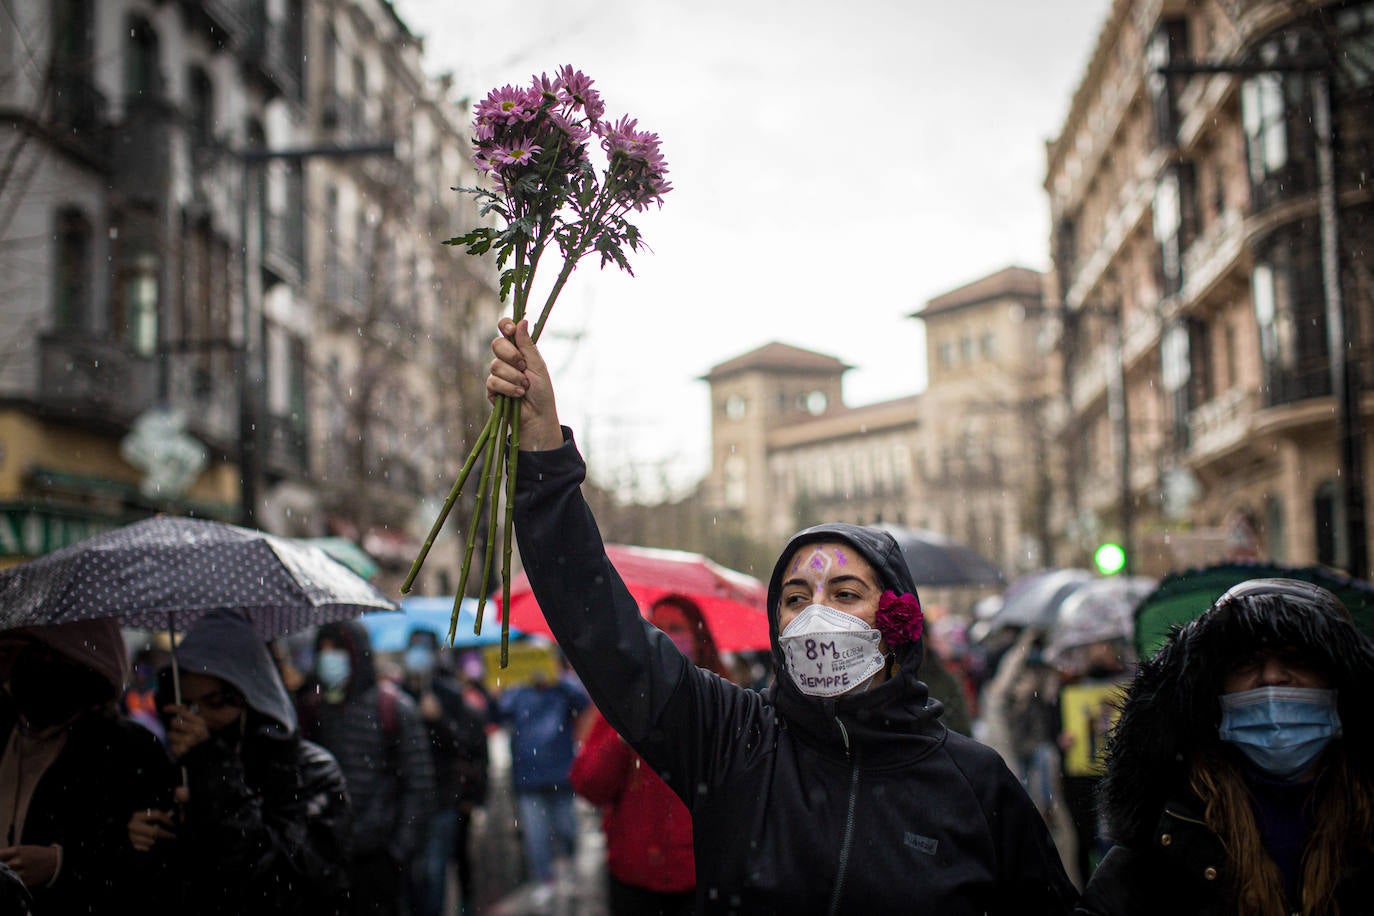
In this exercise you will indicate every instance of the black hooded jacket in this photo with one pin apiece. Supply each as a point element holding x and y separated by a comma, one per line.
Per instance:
<point>1165,859</point>
<point>381,745</point>
<point>267,826</point>
<point>861,804</point>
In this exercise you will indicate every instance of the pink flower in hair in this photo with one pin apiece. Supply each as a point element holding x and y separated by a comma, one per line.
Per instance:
<point>899,618</point>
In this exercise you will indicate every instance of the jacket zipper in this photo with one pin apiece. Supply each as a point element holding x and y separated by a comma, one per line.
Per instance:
<point>848,822</point>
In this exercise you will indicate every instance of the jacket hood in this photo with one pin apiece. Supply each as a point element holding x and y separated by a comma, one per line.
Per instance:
<point>351,636</point>
<point>224,644</point>
<point>1171,712</point>
<point>898,706</point>
<point>97,645</point>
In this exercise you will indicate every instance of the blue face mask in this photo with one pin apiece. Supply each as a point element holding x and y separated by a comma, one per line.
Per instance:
<point>1281,730</point>
<point>333,667</point>
<point>419,660</point>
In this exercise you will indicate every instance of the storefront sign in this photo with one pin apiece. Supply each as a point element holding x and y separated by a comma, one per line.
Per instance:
<point>29,532</point>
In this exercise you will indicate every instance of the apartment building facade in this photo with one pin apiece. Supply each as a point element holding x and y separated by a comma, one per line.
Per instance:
<point>985,447</point>
<point>175,336</point>
<point>966,456</point>
<point>1194,298</point>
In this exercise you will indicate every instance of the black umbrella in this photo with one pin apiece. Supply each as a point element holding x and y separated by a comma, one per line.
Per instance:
<point>1033,600</point>
<point>164,572</point>
<point>936,560</point>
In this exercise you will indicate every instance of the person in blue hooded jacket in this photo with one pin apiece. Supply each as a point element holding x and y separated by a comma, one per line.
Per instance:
<point>836,791</point>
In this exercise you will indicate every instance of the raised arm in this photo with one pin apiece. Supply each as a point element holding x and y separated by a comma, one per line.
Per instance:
<point>673,713</point>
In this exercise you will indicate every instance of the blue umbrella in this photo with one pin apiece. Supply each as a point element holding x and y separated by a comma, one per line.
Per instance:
<point>390,631</point>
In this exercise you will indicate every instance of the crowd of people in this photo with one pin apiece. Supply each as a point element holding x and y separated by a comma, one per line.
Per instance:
<point>890,763</point>
<point>1237,779</point>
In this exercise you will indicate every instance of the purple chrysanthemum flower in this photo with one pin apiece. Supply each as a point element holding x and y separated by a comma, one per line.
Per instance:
<point>575,132</point>
<point>508,105</point>
<point>576,87</point>
<point>619,138</point>
<point>516,153</point>
<point>546,86</point>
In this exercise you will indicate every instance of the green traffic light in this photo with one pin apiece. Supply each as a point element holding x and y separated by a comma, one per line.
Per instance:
<point>1110,559</point>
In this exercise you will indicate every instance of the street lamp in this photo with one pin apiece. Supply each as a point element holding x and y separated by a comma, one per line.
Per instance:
<point>1344,384</point>
<point>253,374</point>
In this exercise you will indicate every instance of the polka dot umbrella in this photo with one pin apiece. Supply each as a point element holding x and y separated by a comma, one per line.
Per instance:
<point>165,572</point>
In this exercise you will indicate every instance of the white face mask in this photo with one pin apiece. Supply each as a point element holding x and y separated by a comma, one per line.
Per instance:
<point>829,652</point>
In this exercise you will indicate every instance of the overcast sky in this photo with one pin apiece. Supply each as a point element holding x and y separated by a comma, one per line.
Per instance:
<point>835,165</point>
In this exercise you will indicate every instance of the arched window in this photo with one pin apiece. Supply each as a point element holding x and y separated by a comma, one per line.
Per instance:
<point>142,68</point>
<point>72,283</point>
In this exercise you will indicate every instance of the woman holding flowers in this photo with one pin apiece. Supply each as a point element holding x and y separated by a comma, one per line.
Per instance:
<point>836,791</point>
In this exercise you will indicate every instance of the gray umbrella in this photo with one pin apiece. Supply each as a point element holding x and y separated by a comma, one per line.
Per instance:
<point>169,570</point>
<point>936,560</point>
<point>1033,600</point>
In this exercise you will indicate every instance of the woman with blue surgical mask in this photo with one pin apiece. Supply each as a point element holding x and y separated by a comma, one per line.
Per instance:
<point>1241,773</point>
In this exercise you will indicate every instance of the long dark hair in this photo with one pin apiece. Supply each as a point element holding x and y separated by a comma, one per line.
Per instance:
<point>1343,824</point>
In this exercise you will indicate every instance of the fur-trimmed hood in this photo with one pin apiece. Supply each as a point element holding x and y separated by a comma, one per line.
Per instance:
<point>1171,712</point>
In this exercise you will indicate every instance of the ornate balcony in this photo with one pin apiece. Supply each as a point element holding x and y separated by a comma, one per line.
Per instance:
<point>94,378</point>
<point>1221,424</point>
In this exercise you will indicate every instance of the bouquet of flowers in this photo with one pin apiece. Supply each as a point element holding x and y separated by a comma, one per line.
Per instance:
<point>534,144</point>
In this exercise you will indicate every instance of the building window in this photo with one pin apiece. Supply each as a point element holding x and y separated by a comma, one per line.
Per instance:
<point>1175,219</point>
<point>1185,374</point>
<point>966,349</point>
<point>736,482</point>
<point>201,120</point>
<point>257,183</point>
<point>945,352</point>
<point>205,286</point>
<point>1169,44</point>
<point>1274,529</point>
<point>1289,309</point>
<point>72,284</point>
<point>813,402</point>
<point>75,101</point>
<point>987,344</point>
<point>296,381</point>
<point>333,285</point>
<point>142,71</point>
<point>1276,113</point>
<point>1328,518</point>
<point>138,267</point>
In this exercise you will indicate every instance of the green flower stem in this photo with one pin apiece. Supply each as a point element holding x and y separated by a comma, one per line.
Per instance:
<point>512,457</point>
<point>457,488</point>
<point>499,465</point>
<point>483,489</point>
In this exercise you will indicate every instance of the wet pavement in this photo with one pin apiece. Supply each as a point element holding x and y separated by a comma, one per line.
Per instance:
<point>580,885</point>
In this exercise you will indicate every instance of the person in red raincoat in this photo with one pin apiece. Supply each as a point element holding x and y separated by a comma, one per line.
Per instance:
<point>648,828</point>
